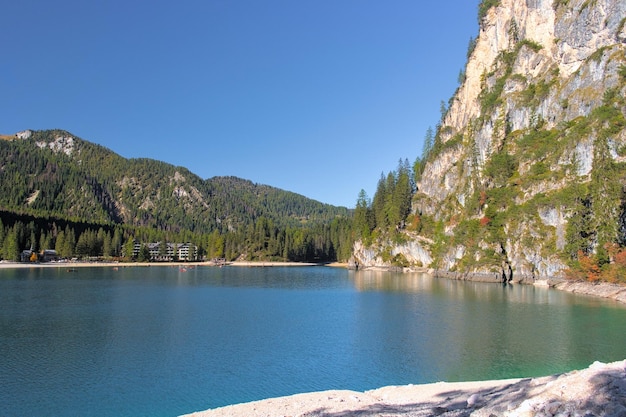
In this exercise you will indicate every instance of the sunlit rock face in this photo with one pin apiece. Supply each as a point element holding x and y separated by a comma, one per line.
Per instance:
<point>516,168</point>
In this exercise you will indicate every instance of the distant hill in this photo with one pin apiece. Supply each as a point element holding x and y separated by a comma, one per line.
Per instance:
<point>52,173</point>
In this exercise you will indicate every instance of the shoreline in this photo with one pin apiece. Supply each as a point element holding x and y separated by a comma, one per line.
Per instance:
<point>99,264</point>
<point>602,290</point>
<point>597,390</point>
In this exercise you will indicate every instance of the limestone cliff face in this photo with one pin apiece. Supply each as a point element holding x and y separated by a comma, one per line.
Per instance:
<point>528,163</point>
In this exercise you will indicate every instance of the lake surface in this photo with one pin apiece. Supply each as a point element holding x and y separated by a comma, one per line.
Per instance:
<point>160,341</point>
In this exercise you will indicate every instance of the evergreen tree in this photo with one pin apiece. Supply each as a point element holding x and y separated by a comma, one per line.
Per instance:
<point>116,242</point>
<point>2,234</point>
<point>70,242</point>
<point>144,254</point>
<point>20,237</point>
<point>129,249</point>
<point>378,203</point>
<point>107,245</point>
<point>10,249</point>
<point>83,245</point>
<point>45,242</point>
<point>391,213</point>
<point>443,109</point>
<point>60,245</point>
<point>429,140</point>
<point>362,216</point>
<point>403,192</point>
<point>417,169</point>
<point>33,242</point>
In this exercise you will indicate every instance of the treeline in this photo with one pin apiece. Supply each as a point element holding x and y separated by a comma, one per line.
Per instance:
<point>263,240</point>
<point>391,205</point>
<point>69,239</point>
<point>61,192</point>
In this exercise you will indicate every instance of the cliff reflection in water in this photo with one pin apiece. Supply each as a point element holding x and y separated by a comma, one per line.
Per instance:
<point>371,280</point>
<point>421,282</point>
<point>463,329</point>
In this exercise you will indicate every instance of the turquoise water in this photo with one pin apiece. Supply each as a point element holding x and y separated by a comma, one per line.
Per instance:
<point>158,341</point>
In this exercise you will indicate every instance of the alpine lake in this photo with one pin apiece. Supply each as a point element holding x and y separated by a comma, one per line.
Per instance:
<point>165,341</point>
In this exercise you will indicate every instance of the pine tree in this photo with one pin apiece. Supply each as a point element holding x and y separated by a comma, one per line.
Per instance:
<point>116,243</point>
<point>144,254</point>
<point>391,212</point>
<point>378,203</point>
<point>429,139</point>
<point>2,234</point>
<point>60,245</point>
<point>10,249</point>
<point>129,249</point>
<point>70,242</point>
<point>107,245</point>
<point>403,192</point>
<point>83,244</point>
<point>362,215</point>
<point>45,242</point>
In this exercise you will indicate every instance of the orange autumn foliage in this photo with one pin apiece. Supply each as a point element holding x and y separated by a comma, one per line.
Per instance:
<point>589,267</point>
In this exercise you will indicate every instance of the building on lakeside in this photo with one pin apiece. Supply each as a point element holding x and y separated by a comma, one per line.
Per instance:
<point>167,252</point>
<point>47,255</point>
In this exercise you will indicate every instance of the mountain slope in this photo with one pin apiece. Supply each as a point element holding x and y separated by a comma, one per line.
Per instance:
<point>53,173</point>
<point>527,172</point>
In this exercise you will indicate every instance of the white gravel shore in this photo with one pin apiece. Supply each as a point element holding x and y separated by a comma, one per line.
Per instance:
<point>599,390</point>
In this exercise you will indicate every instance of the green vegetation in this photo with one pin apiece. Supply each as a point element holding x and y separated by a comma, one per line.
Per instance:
<point>471,46</point>
<point>263,241</point>
<point>535,93</point>
<point>622,73</point>
<point>484,7</point>
<point>97,193</point>
<point>597,55</point>
<point>553,190</point>
<point>537,143</point>
<point>621,25</point>
<point>96,185</point>
<point>501,168</point>
<point>558,3</point>
<point>535,46</point>
<point>586,4</point>
<point>490,98</point>
<point>391,205</point>
<point>440,147</point>
<point>505,205</point>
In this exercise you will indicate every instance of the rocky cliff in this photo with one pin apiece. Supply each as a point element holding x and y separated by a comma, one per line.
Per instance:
<point>528,166</point>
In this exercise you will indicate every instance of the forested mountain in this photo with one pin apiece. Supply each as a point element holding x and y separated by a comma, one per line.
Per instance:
<point>53,174</point>
<point>524,178</point>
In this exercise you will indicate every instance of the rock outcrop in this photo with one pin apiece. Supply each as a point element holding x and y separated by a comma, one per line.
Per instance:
<point>528,165</point>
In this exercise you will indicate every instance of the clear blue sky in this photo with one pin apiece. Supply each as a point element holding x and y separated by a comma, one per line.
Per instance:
<point>317,97</point>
